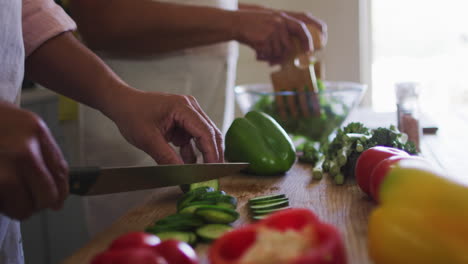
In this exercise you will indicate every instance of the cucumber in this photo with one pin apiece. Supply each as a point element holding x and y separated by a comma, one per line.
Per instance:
<point>192,196</point>
<point>212,183</point>
<point>212,232</point>
<point>275,205</point>
<point>187,237</point>
<point>176,222</point>
<point>269,211</point>
<point>211,195</point>
<point>217,214</point>
<point>259,217</point>
<point>270,201</point>
<point>262,206</point>
<point>188,218</point>
<point>227,201</point>
<point>266,198</point>
<point>191,207</point>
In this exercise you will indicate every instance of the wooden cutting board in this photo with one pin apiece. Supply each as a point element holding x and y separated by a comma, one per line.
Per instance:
<point>343,206</point>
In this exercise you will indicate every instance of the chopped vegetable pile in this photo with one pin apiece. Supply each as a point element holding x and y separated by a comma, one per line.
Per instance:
<point>202,214</point>
<point>338,157</point>
<point>262,206</point>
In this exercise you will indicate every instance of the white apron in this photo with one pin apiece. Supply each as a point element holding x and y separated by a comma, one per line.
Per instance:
<point>208,73</point>
<point>11,76</point>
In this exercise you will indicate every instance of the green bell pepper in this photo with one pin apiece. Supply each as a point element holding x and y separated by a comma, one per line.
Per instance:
<point>260,140</point>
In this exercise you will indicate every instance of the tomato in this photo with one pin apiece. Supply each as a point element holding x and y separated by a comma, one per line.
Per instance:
<point>135,240</point>
<point>176,252</point>
<point>379,172</point>
<point>327,248</point>
<point>369,159</point>
<point>130,255</point>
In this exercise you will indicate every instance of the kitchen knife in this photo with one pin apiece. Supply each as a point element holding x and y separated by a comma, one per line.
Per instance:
<point>95,181</point>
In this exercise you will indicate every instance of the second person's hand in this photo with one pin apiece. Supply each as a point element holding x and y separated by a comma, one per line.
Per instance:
<point>152,120</point>
<point>269,33</point>
<point>33,172</point>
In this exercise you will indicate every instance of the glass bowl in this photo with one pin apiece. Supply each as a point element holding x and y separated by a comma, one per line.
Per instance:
<point>337,99</point>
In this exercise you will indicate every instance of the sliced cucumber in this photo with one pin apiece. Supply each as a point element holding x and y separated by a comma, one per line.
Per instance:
<point>270,201</point>
<point>211,196</point>
<point>269,211</point>
<point>192,196</point>
<point>211,183</point>
<point>186,218</point>
<point>266,198</point>
<point>217,214</point>
<point>227,201</point>
<point>191,207</point>
<point>177,222</point>
<point>212,232</point>
<point>259,217</point>
<point>275,205</point>
<point>187,237</point>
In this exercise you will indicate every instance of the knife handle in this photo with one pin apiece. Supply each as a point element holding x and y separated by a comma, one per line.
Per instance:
<point>81,179</point>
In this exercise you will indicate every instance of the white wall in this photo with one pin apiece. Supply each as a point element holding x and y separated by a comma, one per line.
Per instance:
<point>342,56</point>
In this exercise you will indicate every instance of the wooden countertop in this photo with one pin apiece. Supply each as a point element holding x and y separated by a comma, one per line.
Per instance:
<point>343,206</point>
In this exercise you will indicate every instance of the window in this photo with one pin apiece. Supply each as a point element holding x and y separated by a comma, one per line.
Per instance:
<point>424,41</point>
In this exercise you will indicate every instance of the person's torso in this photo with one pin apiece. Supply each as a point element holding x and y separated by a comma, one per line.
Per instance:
<point>11,77</point>
<point>200,71</point>
<point>11,50</point>
<point>221,49</point>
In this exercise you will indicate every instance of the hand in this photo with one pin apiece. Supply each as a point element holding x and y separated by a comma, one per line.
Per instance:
<point>33,173</point>
<point>269,33</point>
<point>317,27</point>
<point>151,120</point>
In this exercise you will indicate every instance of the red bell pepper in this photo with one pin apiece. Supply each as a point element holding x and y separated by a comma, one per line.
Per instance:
<point>382,169</point>
<point>143,248</point>
<point>369,159</point>
<point>325,245</point>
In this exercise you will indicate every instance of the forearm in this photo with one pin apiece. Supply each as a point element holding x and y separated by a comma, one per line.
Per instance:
<point>64,65</point>
<point>250,7</point>
<point>147,26</point>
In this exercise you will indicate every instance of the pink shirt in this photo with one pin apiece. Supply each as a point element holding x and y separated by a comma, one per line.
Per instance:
<point>42,20</point>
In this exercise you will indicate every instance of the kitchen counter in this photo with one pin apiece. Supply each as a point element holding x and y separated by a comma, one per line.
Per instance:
<point>346,206</point>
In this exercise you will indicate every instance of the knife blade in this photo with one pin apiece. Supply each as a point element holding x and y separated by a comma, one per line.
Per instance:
<point>87,181</point>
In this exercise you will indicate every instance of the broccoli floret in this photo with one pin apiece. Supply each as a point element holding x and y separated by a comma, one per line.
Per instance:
<point>409,147</point>
<point>343,153</point>
<point>390,137</point>
<point>359,146</point>
<point>334,168</point>
<point>384,137</point>
<point>356,127</point>
<point>348,168</point>
<point>344,150</point>
<point>311,152</point>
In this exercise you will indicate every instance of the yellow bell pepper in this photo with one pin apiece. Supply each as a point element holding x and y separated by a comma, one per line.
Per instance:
<point>423,218</point>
